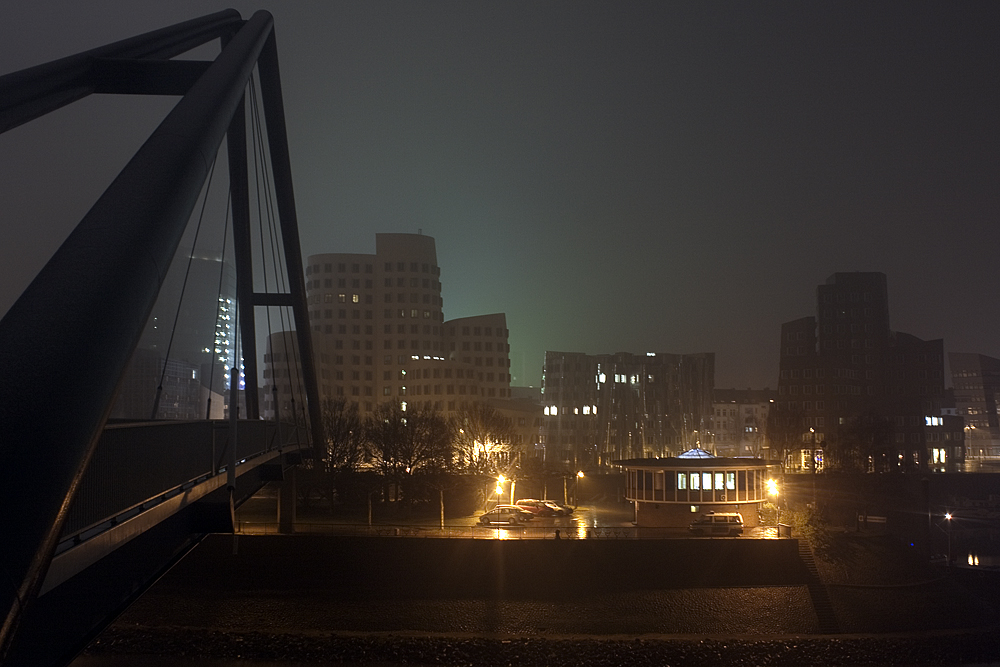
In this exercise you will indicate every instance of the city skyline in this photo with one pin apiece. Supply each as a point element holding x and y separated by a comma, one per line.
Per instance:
<point>654,177</point>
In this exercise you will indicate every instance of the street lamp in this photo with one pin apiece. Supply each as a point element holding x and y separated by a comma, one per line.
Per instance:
<point>970,436</point>
<point>947,517</point>
<point>499,489</point>
<point>576,494</point>
<point>772,490</point>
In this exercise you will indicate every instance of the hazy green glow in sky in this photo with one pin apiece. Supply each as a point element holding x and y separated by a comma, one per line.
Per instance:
<point>642,176</point>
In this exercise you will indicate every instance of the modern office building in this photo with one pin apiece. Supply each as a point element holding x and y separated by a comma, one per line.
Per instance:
<point>739,421</point>
<point>976,382</point>
<point>603,408</point>
<point>188,346</point>
<point>379,334</point>
<point>865,397</point>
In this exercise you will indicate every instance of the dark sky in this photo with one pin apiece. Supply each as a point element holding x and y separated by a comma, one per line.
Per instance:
<point>637,176</point>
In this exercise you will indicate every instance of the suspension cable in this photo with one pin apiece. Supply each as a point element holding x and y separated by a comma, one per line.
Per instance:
<point>180,300</point>
<point>218,312</point>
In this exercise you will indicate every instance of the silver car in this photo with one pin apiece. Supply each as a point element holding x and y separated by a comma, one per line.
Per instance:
<point>502,516</point>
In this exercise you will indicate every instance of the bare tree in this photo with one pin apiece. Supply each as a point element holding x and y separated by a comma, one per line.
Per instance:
<point>344,443</point>
<point>864,437</point>
<point>785,427</point>
<point>483,437</point>
<point>401,443</point>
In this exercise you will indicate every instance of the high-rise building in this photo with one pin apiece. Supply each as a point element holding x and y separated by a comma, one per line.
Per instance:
<point>603,408</point>
<point>976,379</point>
<point>188,347</point>
<point>379,334</point>
<point>866,397</point>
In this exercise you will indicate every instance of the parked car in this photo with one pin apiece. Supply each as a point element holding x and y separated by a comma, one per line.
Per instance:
<point>536,507</point>
<point>502,516</point>
<point>525,513</point>
<point>560,509</point>
<point>728,524</point>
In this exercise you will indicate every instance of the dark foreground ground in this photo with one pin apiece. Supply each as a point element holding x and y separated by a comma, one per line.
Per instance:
<point>367,601</point>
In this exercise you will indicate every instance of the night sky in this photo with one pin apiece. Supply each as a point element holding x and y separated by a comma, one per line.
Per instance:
<point>614,176</point>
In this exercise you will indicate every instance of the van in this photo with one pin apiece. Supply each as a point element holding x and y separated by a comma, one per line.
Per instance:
<point>727,524</point>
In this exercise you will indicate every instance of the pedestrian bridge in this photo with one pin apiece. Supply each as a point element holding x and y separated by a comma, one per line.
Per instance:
<point>94,510</point>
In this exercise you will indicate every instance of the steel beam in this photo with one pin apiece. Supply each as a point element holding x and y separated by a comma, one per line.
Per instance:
<point>36,91</point>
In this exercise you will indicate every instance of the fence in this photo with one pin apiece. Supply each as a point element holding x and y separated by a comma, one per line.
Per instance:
<point>522,532</point>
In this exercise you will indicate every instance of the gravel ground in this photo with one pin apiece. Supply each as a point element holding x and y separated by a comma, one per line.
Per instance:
<point>397,649</point>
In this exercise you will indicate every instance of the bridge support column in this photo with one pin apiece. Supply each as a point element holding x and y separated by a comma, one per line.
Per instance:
<point>286,502</point>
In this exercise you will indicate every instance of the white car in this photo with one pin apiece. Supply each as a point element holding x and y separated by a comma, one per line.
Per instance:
<point>502,516</point>
<point>729,524</point>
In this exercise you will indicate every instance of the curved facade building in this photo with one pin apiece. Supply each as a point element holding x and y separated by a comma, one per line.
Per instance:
<point>379,332</point>
<point>674,491</point>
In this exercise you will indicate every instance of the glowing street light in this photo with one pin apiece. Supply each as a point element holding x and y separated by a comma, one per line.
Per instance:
<point>772,490</point>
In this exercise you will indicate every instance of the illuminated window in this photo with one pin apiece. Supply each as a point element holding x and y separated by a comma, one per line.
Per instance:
<point>682,481</point>
<point>706,482</point>
<point>695,481</point>
<point>719,480</point>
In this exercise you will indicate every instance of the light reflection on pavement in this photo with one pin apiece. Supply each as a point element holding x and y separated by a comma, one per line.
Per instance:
<point>588,521</point>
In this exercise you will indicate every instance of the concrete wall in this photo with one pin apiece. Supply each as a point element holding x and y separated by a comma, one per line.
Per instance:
<point>355,567</point>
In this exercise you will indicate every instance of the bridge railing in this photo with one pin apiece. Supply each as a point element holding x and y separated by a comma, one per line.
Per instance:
<point>137,462</point>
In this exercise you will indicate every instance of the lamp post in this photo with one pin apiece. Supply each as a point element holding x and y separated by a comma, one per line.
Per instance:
<point>947,517</point>
<point>812,461</point>
<point>970,437</point>
<point>499,489</point>
<point>576,492</point>
<point>772,490</point>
